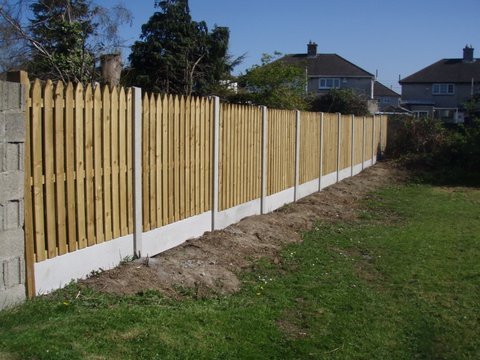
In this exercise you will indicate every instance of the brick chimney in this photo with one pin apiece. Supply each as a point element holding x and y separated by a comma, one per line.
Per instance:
<point>468,53</point>
<point>311,49</point>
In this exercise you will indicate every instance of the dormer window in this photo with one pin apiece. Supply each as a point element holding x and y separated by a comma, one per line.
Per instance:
<point>443,89</point>
<point>329,83</point>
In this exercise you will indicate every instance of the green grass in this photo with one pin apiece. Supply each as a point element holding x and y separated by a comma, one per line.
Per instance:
<point>402,282</point>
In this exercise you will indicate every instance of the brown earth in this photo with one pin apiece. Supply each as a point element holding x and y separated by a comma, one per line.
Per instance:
<point>209,264</point>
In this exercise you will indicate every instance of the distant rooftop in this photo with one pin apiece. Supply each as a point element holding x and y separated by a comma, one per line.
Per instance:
<point>449,70</point>
<point>325,64</point>
<point>381,90</point>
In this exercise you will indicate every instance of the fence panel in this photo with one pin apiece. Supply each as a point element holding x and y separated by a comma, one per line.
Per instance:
<point>368,137</point>
<point>358,140</point>
<point>240,155</point>
<point>345,141</point>
<point>177,154</point>
<point>281,150</point>
<point>330,143</point>
<point>77,167</point>
<point>376,139</point>
<point>309,146</point>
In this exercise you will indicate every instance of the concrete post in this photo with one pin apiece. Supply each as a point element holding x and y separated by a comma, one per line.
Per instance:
<point>12,248</point>
<point>339,137</point>
<point>363,143</point>
<point>137,172</point>
<point>264,158</point>
<point>381,149</point>
<point>216,167</point>
<point>297,156</point>
<point>352,162</point>
<point>321,153</point>
<point>373,140</point>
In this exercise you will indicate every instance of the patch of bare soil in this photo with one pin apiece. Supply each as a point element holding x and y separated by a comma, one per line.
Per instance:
<point>209,264</point>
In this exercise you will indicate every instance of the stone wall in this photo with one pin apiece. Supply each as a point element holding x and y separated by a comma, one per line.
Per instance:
<point>12,138</point>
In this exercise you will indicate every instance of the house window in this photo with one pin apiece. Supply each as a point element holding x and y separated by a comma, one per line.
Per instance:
<point>329,83</point>
<point>443,89</point>
<point>421,114</point>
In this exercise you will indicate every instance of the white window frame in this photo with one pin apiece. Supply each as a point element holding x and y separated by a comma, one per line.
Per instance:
<point>421,113</point>
<point>335,83</point>
<point>443,89</point>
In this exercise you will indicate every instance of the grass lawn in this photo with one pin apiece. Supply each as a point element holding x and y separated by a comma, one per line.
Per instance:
<point>402,282</point>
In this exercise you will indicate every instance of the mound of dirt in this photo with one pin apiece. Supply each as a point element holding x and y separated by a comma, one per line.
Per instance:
<point>209,264</point>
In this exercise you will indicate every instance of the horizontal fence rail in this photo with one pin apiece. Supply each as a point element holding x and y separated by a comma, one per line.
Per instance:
<point>80,162</point>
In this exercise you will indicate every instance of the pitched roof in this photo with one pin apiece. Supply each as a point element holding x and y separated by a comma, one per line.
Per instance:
<point>446,70</point>
<point>327,65</point>
<point>381,90</point>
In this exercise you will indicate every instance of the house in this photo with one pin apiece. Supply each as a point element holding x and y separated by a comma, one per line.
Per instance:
<point>441,89</point>
<point>386,98</point>
<point>331,71</point>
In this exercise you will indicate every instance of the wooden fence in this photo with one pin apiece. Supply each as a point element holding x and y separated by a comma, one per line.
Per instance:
<point>79,160</point>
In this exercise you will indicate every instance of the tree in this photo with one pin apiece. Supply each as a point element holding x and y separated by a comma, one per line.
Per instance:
<point>273,83</point>
<point>472,107</point>
<point>178,55</point>
<point>345,101</point>
<point>14,49</point>
<point>63,28</point>
<point>65,36</point>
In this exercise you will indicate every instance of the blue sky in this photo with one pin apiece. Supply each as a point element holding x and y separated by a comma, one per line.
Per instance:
<point>395,37</point>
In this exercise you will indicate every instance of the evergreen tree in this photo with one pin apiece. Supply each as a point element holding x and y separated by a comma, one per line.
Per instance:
<point>178,55</point>
<point>62,27</point>
<point>64,37</point>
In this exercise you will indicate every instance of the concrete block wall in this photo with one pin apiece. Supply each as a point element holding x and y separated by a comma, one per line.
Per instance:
<point>12,139</point>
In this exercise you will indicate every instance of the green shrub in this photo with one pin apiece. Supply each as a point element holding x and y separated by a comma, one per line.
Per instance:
<point>447,152</point>
<point>345,101</point>
<point>415,137</point>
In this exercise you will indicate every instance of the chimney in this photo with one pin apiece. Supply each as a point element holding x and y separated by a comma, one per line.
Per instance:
<point>468,53</point>
<point>312,49</point>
